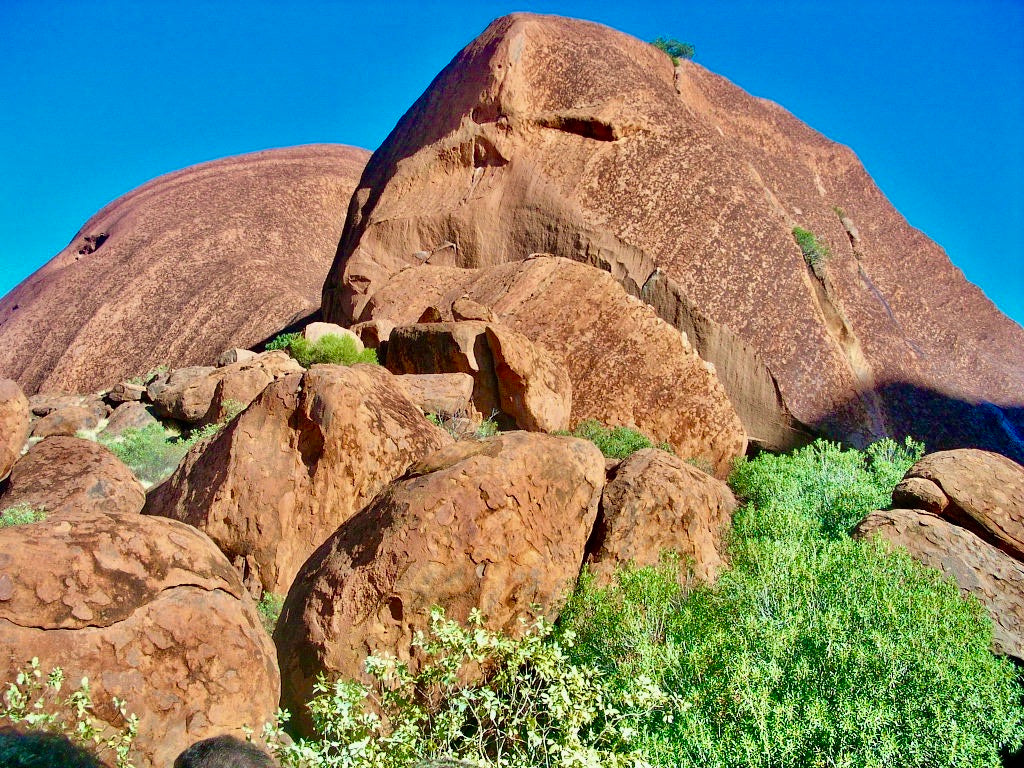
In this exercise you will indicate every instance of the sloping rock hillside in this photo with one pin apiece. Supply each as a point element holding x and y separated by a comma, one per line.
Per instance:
<point>560,136</point>
<point>218,255</point>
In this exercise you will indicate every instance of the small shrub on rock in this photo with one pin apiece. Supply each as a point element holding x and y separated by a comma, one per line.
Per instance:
<point>21,514</point>
<point>614,442</point>
<point>269,608</point>
<point>329,349</point>
<point>815,252</point>
<point>674,48</point>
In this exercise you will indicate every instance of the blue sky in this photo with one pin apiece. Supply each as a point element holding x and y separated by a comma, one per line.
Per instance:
<point>100,97</point>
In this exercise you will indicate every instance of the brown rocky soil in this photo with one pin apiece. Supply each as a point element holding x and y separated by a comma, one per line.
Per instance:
<point>553,135</point>
<point>218,255</point>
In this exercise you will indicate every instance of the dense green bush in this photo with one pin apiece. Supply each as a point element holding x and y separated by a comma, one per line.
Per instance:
<point>614,442</point>
<point>330,348</point>
<point>815,252</point>
<point>269,608</point>
<point>153,452</point>
<point>21,514</point>
<point>674,48</point>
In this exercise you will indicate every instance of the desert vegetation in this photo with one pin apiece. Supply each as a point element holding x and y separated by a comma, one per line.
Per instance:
<point>815,252</point>
<point>330,348</point>
<point>614,442</point>
<point>21,514</point>
<point>154,451</point>
<point>674,48</point>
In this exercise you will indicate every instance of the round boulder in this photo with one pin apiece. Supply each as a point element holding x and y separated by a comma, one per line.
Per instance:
<point>14,419</point>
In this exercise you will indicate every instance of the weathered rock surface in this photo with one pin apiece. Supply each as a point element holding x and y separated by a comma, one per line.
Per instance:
<point>130,415</point>
<point>626,365</point>
<point>440,393</point>
<point>14,424</point>
<point>655,503</point>
<point>977,490</point>
<point>559,136</point>
<point>309,453</point>
<point>66,422</point>
<point>513,378</point>
<point>495,525</point>
<point>234,355</point>
<point>151,612</point>
<point>980,569</point>
<point>126,392</point>
<point>154,277</point>
<point>69,474</point>
<point>43,405</point>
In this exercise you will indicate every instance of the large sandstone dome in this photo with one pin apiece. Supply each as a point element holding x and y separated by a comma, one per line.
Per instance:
<point>559,136</point>
<point>217,255</point>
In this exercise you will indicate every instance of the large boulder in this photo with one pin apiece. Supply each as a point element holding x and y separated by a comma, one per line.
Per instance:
<point>309,453</point>
<point>981,570</point>
<point>14,424</point>
<point>67,422</point>
<point>154,277</point>
<point>656,503</point>
<point>514,379</point>
<point>552,135</point>
<point>151,612</point>
<point>439,393</point>
<point>627,366</point>
<point>977,490</point>
<point>68,474</point>
<point>497,525</point>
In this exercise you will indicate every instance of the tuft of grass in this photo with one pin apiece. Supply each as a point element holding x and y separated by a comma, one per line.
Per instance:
<point>614,442</point>
<point>330,349</point>
<point>22,513</point>
<point>815,252</point>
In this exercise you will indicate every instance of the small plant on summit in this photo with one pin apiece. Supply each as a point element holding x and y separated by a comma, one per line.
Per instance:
<point>21,514</point>
<point>614,442</point>
<point>815,252</point>
<point>674,48</point>
<point>330,349</point>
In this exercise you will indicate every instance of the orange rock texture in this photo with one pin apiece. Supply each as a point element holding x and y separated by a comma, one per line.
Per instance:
<point>218,255</point>
<point>553,135</point>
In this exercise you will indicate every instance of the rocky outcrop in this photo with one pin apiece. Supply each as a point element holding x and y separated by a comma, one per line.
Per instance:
<point>14,424</point>
<point>980,569</point>
<point>439,393</point>
<point>497,525</point>
<point>516,381</point>
<point>65,422</point>
<point>626,365</point>
<point>551,135</point>
<point>68,474</point>
<point>977,490</point>
<point>658,503</point>
<point>154,277</point>
<point>151,612</point>
<point>130,415</point>
<point>309,453</point>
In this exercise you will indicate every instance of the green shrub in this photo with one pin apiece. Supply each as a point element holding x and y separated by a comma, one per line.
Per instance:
<point>21,514</point>
<point>815,252</point>
<point>269,608</point>
<point>32,701</point>
<point>534,707</point>
<point>812,649</point>
<point>460,427</point>
<point>153,452</point>
<point>330,349</point>
<point>675,49</point>
<point>614,442</point>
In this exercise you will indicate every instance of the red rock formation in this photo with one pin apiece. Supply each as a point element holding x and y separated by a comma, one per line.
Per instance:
<point>14,424</point>
<point>553,135</point>
<point>217,255</point>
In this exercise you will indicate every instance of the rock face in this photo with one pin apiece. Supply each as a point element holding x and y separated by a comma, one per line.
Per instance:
<point>309,453</point>
<point>980,569</point>
<point>558,136</point>
<point>151,612</point>
<point>977,490</point>
<point>495,525</point>
<point>439,393</point>
<point>67,474</point>
<point>154,276</point>
<point>65,421</point>
<point>627,366</point>
<point>14,421</point>
<point>518,381</point>
<point>657,502</point>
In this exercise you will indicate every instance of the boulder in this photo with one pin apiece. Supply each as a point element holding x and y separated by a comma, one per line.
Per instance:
<point>14,424</point>
<point>497,525</point>
<point>316,331</point>
<point>655,503</point>
<point>234,355</point>
<point>553,135</point>
<point>514,379</point>
<point>126,392</point>
<point>992,576</point>
<point>68,474</point>
<point>67,421</point>
<point>309,453</point>
<point>439,393</point>
<point>627,366</point>
<point>151,612</point>
<point>977,490</point>
<point>374,334</point>
<point>184,394</point>
<point>130,415</point>
<point>156,276</point>
<point>43,405</point>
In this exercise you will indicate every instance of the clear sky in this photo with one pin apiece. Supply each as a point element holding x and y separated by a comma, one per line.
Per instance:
<point>101,96</point>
